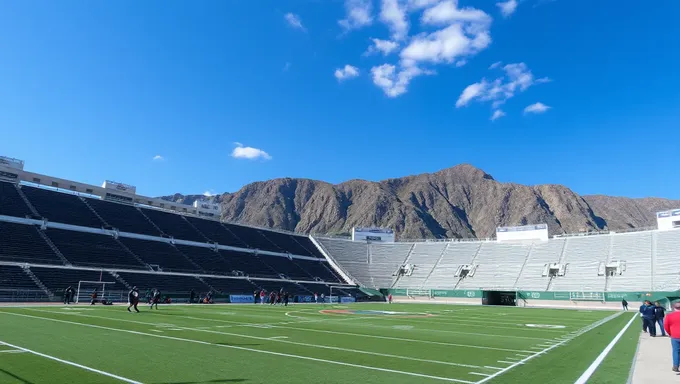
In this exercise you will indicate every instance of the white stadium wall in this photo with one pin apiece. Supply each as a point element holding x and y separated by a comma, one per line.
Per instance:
<point>668,220</point>
<point>525,232</point>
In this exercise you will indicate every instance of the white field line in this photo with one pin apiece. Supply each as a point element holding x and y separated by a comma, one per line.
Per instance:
<point>111,375</point>
<point>591,369</point>
<point>333,362</point>
<point>13,351</point>
<point>349,334</point>
<point>277,339</point>
<point>523,361</point>
<point>478,374</point>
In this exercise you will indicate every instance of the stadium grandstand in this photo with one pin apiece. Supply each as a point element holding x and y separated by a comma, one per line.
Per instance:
<point>56,233</point>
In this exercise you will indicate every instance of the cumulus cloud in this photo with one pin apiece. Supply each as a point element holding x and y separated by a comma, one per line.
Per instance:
<point>536,108</point>
<point>158,158</point>
<point>507,7</point>
<point>347,72</point>
<point>518,78</point>
<point>209,193</point>
<point>448,12</point>
<point>393,14</point>
<point>359,14</point>
<point>495,65</point>
<point>419,4</point>
<point>250,153</point>
<point>497,114</point>
<point>392,81</point>
<point>382,46</point>
<point>294,21</point>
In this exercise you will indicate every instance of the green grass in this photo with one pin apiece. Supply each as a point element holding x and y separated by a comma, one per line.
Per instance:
<point>299,344</point>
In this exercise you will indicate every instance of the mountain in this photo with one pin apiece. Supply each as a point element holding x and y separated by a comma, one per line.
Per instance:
<point>458,202</point>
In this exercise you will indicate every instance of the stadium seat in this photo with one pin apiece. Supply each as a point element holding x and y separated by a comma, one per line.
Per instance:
<point>125,218</point>
<point>61,207</point>
<point>11,204</point>
<point>88,249</point>
<point>23,243</point>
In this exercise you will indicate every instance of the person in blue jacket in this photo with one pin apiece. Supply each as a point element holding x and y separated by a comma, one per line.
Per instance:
<point>648,312</point>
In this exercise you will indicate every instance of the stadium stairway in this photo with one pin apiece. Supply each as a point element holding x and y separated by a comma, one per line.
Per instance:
<point>37,281</point>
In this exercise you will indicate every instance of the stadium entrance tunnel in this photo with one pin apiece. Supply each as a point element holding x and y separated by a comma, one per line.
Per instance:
<point>507,298</point>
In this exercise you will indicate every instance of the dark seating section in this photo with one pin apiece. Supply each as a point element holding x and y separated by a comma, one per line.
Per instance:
<point>61,207</point>
<point>58,279</point>
<point>252,237</point>
<point>307,243</point>
<point>125,218</point>
<point>11,204</point>
<point>249,263</point>
<point>158,253</point>
<point>232,286</point>
<point>210,261</point>
<point>317,269</point>
<point>286,243</point>
<point>174,225</point>
<point>287,286</point>
<point>286,266</point>
<point>89,249</point>
<point>216,232</point>
<point>164,282</point>
<point>14,277</point>
<point>23,243</point>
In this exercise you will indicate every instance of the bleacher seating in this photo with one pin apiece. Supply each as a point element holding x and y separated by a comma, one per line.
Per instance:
<point>231,286</point>
<point>583,255</point>
<point>210,261</point>
<point>61,207</point>
<point>174,225</point>
<point>58,279</point>
<point>286,243</point>
<point>125,218</point>
<point>635,249</point>
<point>253,238</point>
<point>22,243</point>
<point>542,253</point>
<point>455,255</point>
<point>92,250</point>
<point>165,283</point>
<point>666,276</point>
<point>217,232</point>
<point>498,266</point>
<point>166,256</point>
<point>14,277</point>
<point>11,204</point>
<point>423,258</point>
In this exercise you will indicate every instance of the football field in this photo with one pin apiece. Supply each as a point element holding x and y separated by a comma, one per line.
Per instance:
<point>308,344</point>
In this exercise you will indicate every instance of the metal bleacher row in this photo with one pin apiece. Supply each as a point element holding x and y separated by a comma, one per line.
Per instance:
<point>50,240</point>
<point>650,258</point>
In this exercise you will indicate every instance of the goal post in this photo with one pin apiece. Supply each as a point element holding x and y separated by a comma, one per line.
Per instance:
<point>85,289</point>
<point>337,288</point>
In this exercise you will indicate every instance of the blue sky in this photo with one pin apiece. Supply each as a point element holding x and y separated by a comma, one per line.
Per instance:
<point>588,92</point>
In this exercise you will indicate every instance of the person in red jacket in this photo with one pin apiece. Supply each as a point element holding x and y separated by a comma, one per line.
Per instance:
<point>672,327</point>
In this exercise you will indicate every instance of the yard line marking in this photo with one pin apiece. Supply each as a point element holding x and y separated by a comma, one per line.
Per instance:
<point>582,331</point>
<point>13,351</point>
<point>591,369</point>
<point>352,334</point>
<point>240,349</point>
<point>276,338</point>
<point>478,374</point>
<point>509,362</point>
<point>490,367</point>
<point>279,337</point>
<point>121,378</point>
<point>156,330</point>
<point>512,359</point>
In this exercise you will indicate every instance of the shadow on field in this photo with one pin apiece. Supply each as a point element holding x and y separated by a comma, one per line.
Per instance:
<point>10,374</point>
<point>216,381</point>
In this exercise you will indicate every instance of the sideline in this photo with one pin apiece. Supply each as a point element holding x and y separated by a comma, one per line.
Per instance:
<point>126,380</point>
<point>589,372</point>
<point>241,349</point>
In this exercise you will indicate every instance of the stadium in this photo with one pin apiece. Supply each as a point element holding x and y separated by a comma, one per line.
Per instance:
<point>363,309</point>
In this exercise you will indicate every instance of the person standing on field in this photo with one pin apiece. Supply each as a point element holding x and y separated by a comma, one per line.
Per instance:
<point>660,313</point>
<point>648,314</point>
<point>672,327</point>
<point>133,299</point>
<point>624,304</point>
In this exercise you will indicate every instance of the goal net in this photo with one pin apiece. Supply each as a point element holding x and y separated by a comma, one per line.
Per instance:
<point>87,288</point>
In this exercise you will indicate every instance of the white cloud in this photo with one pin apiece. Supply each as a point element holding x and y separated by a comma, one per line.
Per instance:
<point>383,46</point>
<point>359,14</point>
<point>445,45</point>
<point>536,108</point>
<point>448,12</point>
<point>209,193</point>
<point>393,14</point>
<point>495,65</point>
<point>286,67</point>
<point>518,78</point>
<point>294,21</point>
<point>419,4</point>
<point>497,114</point>
<point>460,63</point>
<point>158,158</point>
<point>508,7</point>
<point>470,92</point>
<point>250,153</point>
<point>393,82</point>
<point>347,72</point>
<point>543,80</point>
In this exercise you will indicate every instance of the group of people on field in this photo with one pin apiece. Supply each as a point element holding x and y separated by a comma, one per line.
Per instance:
<point>274,297</point>
<point>653,314</point>
<point>153,298</point>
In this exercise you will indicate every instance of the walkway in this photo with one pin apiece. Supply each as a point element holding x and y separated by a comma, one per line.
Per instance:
<point>653,362</point>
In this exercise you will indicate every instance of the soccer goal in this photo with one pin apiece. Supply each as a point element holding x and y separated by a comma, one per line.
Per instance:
<point>85,289</point>
<point>335,299</point>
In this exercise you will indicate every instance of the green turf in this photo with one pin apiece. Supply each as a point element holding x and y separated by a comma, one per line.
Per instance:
<point>299,344</point>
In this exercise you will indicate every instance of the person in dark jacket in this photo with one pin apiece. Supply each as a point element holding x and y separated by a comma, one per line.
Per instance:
<point>649,317</point>
<point>659,315</point>
<point>192,296</point>
<point>133,299</point>
<point>624,304</point>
